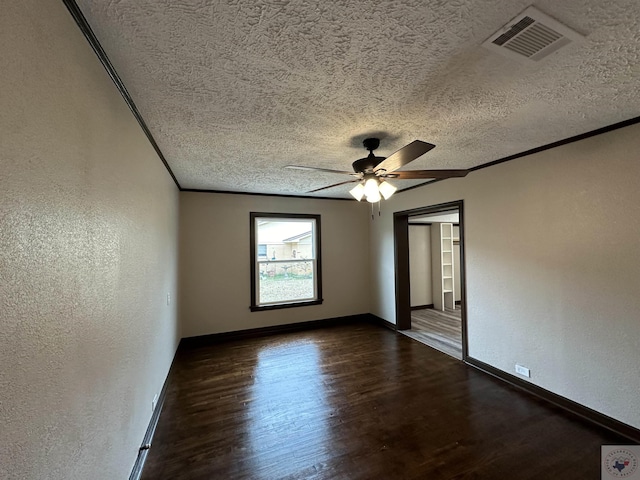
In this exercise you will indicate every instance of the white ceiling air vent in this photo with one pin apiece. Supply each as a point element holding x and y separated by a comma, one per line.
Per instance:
<point>532,35</point>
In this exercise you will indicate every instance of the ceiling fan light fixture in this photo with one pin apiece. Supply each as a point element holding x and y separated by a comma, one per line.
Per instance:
<point>371,188</point>
<point>386,189</point>
<point>374,197</point>
<point>357,192</point>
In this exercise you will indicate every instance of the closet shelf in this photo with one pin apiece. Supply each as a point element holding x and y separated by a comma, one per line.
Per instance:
<point>443,265</point>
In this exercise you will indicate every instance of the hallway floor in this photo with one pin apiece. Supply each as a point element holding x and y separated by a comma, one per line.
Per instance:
<point>438,329</point>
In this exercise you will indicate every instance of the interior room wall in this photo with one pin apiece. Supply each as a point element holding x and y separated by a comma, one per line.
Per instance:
<point>420,265</point>
<point>215,264</point>
<point>552,267</point>
<point>88,254</point>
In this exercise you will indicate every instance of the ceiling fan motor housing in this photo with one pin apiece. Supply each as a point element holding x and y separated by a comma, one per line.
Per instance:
<point>367,164</point>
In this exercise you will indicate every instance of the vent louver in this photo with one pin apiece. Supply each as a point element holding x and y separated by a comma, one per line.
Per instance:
<point>531,36</point>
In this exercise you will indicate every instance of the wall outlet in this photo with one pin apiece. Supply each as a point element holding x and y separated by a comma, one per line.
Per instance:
<point>523,370</point>
<point>154,402</point>
<point>168,299</point>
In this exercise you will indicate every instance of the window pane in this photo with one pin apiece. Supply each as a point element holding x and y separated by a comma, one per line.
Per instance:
<point>282,238</point>
<point>286,282</point>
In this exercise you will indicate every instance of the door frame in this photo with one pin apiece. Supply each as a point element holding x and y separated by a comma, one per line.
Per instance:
<point>401,255</point>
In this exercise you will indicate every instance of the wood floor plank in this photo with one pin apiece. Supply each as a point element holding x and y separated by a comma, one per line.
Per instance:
<point>438,329</point>
<point>357,402</point>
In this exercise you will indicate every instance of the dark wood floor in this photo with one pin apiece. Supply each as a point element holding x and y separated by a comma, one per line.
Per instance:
<point>439,329</point>
<point>357,402</point>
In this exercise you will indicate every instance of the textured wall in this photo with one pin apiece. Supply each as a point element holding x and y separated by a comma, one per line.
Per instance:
<point>88,242</point>
<point>215,266</point>
<point>553,267</point>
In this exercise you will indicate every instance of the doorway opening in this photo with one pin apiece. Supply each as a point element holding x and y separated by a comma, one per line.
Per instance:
<point>430,286</point>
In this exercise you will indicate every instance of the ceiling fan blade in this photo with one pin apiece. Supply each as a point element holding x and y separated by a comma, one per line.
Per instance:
<point>316,169</point>
<point>416,174</point>
<point>406,154</point>
<point>334,185</point>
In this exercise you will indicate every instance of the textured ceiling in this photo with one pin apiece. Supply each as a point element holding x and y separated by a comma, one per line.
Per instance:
<point>234,90</point>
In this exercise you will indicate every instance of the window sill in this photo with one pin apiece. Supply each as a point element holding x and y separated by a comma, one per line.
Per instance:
<point>278,306</point>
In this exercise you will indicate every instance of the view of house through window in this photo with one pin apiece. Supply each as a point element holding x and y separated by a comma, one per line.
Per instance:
<point>285,260</point>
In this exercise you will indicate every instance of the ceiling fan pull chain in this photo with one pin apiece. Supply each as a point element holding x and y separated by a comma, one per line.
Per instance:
<point>378,207</point>
<point>371,211</point>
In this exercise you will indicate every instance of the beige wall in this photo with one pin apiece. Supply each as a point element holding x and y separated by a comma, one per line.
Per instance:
<point>420,265</point>
<point>88,242</point>
<point>215,279</point>
<point>553,267</point>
